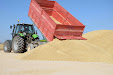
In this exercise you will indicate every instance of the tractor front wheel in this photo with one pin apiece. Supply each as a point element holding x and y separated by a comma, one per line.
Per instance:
<point>18,45</point>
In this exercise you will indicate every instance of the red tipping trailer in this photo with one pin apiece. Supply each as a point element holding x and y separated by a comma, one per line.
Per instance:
<point>54,21</point>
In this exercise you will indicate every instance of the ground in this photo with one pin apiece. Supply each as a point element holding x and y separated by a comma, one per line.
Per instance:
<point>1,46</point>
<point>69,57</point>
<point>9,65</point>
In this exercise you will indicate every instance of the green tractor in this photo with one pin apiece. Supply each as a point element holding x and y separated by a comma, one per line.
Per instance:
<point>24,38</point>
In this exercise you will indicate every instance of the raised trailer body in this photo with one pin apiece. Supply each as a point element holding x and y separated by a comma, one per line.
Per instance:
<point>54,21</point>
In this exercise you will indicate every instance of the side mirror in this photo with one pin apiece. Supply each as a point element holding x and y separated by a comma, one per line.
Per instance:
<point>14,26</point>
<point>10,27</point>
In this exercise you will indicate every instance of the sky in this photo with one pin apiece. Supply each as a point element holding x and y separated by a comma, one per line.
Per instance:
<point>95,14</point>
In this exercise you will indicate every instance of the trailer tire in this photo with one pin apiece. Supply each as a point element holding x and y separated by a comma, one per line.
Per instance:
<point>8,46</point>
<point>30,47</point>
<point>18,45</point>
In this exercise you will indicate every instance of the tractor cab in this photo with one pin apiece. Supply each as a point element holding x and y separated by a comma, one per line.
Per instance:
<point>23,29</point>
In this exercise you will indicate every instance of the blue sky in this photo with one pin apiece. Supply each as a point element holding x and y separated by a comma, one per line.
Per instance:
<point>95,14</point>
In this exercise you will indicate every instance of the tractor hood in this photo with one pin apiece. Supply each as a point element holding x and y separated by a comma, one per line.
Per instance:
<point>28,35</point>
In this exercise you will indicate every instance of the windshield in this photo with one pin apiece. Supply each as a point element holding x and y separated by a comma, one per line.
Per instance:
<point>27,28</point>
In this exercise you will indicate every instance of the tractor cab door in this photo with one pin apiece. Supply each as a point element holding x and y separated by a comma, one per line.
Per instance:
<point>16,30</point>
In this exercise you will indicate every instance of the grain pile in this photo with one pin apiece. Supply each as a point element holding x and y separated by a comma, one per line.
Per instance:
<point>1,46</point>
<point>98,48</point>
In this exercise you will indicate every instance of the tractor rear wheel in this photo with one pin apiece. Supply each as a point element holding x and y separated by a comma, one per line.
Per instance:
<point>8,46</point>
<point>18,45</point>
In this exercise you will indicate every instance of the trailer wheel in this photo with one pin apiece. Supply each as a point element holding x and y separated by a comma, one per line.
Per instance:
<point>30,47</point>
<point>7,46</point>
<point>18,45</point>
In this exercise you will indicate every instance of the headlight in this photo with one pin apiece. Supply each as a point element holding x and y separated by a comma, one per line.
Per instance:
<point>24,33</point>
